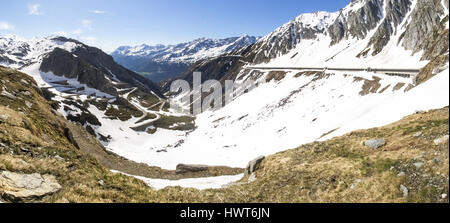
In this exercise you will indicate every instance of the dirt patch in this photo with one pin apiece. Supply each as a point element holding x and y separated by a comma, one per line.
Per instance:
<point>275,75</point>
<point>370,86</point>
<point>398,86</point>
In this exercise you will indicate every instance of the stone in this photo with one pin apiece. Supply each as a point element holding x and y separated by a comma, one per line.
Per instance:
<point>184,168</point>
<point>417,134</point>
<point>401,174</point>
<point>418,164</point>
<point>28,104</point>
<point>441,140</point>
<point>251,178</point>
<point>27,187</point>
<point>444,196</point>
<point>253,165</point>
<point>404,190</point>
<point>375,143</point>
<point>4,117</point>
<point>436,161</point>
<point>101,183</point>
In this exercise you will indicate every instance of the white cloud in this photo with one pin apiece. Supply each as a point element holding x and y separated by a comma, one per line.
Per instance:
<point>77,31</point>
<point>88,38</point>
<point>60,33</point>
<point>6,26</point>
<point>34,9</point>
<point>98,11</point>
<point>87,24</point>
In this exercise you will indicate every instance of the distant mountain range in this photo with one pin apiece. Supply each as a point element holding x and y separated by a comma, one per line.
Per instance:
<point>161,62</point>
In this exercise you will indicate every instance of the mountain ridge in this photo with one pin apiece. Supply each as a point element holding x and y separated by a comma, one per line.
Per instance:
<point>161,62</point>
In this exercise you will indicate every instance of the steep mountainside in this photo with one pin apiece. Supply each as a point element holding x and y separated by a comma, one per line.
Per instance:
<point>163,62</point>
<point>40,161</point>
<point>86,85</point>
<point>410,34</point>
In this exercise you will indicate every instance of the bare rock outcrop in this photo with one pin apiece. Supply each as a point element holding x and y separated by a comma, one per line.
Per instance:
<point>16,187</point>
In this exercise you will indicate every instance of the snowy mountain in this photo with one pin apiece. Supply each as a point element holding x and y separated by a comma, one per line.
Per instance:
<point>162,62</point>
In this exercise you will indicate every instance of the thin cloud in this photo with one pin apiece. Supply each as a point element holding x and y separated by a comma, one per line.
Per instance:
<point>98,11</point>
<point>60,33</point>
<point>6,26</point>
<point>88,38</point>
<point>77,31</point>
<point>87,24</point>
<point>34,9</point>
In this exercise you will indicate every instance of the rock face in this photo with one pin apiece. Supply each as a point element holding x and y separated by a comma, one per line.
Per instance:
<point>425,22</point>
<point>253,165</point>
<point>287,37</point>
<point>64,63</point>
<point>356,23</point>
<point>396,11</point>
<point>375,143</point>
<point>17,187</point>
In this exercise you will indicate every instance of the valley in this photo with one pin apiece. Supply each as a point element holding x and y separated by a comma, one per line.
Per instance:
<point>348,106</point>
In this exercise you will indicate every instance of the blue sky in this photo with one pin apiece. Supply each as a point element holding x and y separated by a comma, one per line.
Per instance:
<point>111,23</point>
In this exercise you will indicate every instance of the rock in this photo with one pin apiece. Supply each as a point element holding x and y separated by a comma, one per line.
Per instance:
<point>441,140</point>
<point>101,183</point>
<point>444,196</point>
<point>418,164</point>
<point>27,187</point>
<point>253,165</point>
<point>28,104</point>
<point>184,168</point>
<point>436,161</point>
<point>404,190</point>
<point>375,143</point>
<point>417,134</point>
<point>251,178</point>
<point>69,136</point>
<point>4,117</point>
<point>401,174</point>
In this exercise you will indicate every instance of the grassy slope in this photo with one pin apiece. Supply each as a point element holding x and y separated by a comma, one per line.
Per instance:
<point>337,170</point>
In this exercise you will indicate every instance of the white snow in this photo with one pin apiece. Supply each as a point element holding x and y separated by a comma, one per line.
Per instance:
<point>197,183</point>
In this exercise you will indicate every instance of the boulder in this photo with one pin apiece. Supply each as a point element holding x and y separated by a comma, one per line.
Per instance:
<point>404,190</point>
<point>253,165</point>
<point>185,168</point>
<point>375,143</point>
<point>441,140</point>
<point>16,187</point>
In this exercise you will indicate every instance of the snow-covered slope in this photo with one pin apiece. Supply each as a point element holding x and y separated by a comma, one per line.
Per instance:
<point>366,33</point>
<point>306,106</point>
<point>16,51</point>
